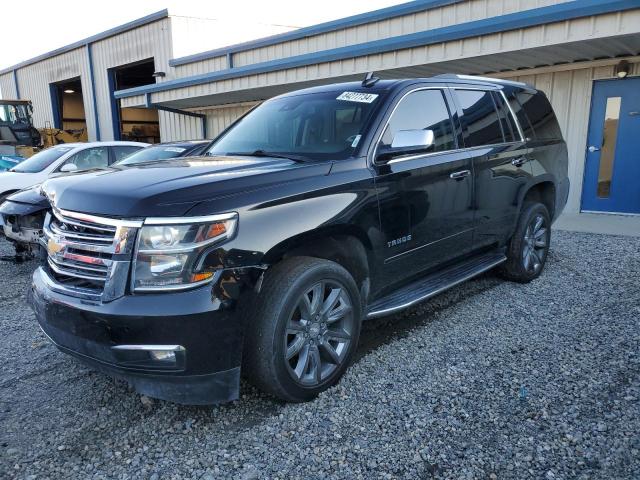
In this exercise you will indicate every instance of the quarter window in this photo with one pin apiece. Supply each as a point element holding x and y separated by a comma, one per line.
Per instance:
<point>479,118</point>
<point>422,110</point>
<point>544,125</point>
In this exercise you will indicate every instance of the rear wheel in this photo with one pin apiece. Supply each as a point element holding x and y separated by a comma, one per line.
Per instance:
<point>303,328</point>
<point>528,248</point>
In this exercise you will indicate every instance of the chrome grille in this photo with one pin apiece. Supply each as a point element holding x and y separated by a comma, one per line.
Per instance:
<point>89,254</point>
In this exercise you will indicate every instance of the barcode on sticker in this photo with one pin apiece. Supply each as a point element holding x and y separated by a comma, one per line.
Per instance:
<point>357,97</point>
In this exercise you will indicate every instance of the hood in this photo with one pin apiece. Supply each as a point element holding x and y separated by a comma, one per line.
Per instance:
<point>31,196</point>
<point>171,187</point>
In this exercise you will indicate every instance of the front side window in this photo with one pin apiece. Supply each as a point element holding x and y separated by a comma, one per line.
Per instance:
<point>422,110</point>
<point>41,160</point>
<point>479,118</point>
<point>97,157</point>
<point>316,126</point>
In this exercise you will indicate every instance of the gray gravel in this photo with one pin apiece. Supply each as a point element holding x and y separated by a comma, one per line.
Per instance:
<point>489,380</point>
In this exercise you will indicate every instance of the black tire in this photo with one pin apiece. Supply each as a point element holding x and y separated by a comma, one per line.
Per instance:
<point>517,268</point>
<point>275,327</point>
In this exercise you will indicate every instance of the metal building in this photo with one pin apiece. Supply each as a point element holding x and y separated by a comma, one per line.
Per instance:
<point>585,54</point>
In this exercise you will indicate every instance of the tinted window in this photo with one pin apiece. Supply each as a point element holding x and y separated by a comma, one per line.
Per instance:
<point>41,160</point>
<point>124,151</point>
<point>540,115</point>
<point>479,118</point>
<point>97,157</point>
<point>506,119</point>
<point>151,154</point>
<point>422,110</point>
<point>318,126</point>
<point>527,129</point>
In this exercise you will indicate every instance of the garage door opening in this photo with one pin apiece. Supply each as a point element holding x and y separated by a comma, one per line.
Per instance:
<point>68,107</point>
<point>136,124</point>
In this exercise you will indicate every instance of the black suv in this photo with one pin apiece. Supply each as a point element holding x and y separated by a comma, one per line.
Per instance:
<point>317,210</point>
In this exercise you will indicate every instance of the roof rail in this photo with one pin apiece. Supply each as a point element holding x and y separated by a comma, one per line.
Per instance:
<point>455,76</point>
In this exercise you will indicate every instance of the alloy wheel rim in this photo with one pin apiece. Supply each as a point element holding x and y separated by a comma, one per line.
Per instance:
<point>535,244</point>
<point>318,333</point>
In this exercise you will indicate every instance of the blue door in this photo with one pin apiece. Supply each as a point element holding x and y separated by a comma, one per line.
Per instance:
<point>612,170</point>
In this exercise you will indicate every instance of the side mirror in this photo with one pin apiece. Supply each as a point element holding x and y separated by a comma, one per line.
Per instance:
<point>406,142</point>
<point>69,167</point>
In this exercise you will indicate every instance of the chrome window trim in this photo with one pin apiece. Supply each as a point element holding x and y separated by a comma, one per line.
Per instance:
<point>487,88</point>
<point>448,152</point>
<point>377,143</point>
<point>513,116</point>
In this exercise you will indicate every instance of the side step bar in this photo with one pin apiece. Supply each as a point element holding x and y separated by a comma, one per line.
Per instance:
<point>434,284</point>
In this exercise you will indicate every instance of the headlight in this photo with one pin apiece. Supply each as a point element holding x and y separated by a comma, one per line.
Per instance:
<point>169,250</point>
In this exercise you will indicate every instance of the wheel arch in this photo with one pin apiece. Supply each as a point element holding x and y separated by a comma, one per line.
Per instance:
<point>346,245</point>
<point>543,191</point>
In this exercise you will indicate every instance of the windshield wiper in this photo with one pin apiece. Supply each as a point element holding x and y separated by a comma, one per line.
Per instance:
<point>262,153</point>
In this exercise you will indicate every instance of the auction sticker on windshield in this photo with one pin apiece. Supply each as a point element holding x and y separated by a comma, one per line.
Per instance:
<point>357,97</point>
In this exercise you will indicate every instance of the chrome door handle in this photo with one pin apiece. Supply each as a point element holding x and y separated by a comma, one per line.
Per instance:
<point>518,162</point>
<point>593,148</point>
<point>460,175</point>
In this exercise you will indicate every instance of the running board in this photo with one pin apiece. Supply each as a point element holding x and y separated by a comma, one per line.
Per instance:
<point>434,284</point>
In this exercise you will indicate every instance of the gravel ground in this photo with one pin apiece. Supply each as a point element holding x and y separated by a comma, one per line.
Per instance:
<point>489,380</point>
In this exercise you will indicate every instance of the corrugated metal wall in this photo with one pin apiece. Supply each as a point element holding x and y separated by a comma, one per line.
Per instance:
<point>182,127</point>
<point>152,40</point>
<point>434,18</point>
<point>34,81</point>
<point>7,86</point>
<point>220,118</point>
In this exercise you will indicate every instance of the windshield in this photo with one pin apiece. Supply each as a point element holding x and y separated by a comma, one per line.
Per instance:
<point>14,113</point>
<point>150,154</point>
<point>41,160</point>
<point>317,126</point>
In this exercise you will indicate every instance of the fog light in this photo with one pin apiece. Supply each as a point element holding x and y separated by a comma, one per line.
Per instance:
<point>163,355</point>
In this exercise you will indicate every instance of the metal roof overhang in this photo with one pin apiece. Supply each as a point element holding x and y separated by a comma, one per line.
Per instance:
<point>568,53</point>
<point>523,58</point>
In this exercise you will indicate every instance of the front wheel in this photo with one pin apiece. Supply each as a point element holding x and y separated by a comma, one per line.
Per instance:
<point>303,328</point>
<point>528,248</point>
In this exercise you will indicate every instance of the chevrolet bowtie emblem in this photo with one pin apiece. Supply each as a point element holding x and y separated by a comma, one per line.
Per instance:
<point>54,247</point>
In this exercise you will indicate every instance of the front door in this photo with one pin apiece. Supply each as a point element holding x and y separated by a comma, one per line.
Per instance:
<point>612,170</point>
<point>426,199</point>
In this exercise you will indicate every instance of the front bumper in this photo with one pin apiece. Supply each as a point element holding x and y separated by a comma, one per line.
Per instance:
<point>207,334</point>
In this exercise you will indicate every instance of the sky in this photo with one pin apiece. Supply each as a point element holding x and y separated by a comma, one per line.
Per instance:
<point>35,27</point>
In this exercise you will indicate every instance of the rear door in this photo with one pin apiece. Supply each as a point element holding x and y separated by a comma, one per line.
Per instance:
<point>500,162</point>
<point>425,199</point>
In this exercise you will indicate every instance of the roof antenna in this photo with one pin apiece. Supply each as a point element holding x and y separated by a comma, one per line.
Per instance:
<point>369,80</point>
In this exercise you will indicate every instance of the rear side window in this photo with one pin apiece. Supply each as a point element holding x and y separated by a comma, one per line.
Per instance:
<point>422,110</point>
<point>479,118</point>
<point>540,115</point>
<point>123,151</point>
<point>536,116</point>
